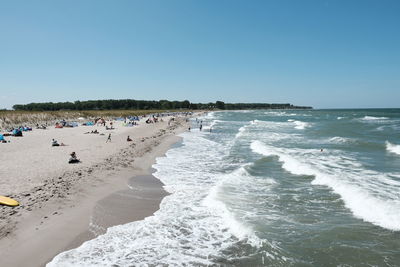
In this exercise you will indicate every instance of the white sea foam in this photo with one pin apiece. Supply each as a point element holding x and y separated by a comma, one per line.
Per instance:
<point>268,124</point>
<point>241,131</point>
<point>393,148</point>
<point>276,113</point>
<point>380,128</point>
<point>257,122</point>
<point>339,140</point>
<point>210,126</point>
<point>210,115</point>
<point>372,118</point>
<point>242,111</point>
<point>192,227</point>
<point>271,130</point>
<point>300,125</point>
<point>366,193</point>
<point>284,114</point>
<point>340,118</point>
<point>212,201</point>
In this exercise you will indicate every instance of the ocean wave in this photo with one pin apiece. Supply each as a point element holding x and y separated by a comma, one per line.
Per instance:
<point>271,130</point>
<point>289,163</point>
<point>232,193</point>
<point>240,131</point>
<point>339,140</point>
<point>276,113</point>
<point>367,194</point>
<point>260,122</point>
<point>257,122</point>
<point>212,124</point>
<point>243,111</point>
<point>284,114</point>
<point>210,115</point>
<point>393,148</point>
<point>300,125</point>
<point>372,118</point>
<point>243,129</point>
<point>212,201</point>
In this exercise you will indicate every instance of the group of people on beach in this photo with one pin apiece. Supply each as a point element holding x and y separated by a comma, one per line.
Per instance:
<point>152,118</point>
<point>200,125</point>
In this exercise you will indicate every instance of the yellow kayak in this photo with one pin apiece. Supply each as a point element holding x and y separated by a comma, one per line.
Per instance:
<point>8,201</point>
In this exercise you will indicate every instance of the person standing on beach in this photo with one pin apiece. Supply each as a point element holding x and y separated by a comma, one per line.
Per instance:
<point>109,138</point>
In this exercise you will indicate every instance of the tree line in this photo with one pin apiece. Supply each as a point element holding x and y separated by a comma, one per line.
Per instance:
<point>126,104</point>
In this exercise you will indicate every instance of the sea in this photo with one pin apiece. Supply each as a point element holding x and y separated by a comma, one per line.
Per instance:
<point>269,188</point>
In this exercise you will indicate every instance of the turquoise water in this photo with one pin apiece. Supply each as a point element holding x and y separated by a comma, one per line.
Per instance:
<point>269,188</point>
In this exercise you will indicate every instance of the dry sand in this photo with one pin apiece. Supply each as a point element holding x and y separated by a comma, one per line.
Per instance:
<point>62,204</point>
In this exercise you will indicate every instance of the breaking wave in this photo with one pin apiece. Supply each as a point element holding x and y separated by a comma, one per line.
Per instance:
<point>363,191</point>
<point>393,148</point>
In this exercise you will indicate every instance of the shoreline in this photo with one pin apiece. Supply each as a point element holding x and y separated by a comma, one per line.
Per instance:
<point>93,200</point>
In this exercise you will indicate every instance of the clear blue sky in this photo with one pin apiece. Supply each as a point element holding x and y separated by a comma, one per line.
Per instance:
<point>321,53</point>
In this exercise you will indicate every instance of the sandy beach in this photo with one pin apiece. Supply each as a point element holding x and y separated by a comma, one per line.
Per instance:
<point>63,205</point>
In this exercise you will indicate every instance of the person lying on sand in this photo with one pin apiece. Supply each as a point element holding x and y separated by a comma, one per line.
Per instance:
<point>128,139</point>
<point>43,127</point>
<point>2,139</point>
<point>92,132</point>
<point>73,158</point>
<point>54,143</point>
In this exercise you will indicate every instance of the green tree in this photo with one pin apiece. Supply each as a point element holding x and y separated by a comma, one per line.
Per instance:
<point>220,105</point>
